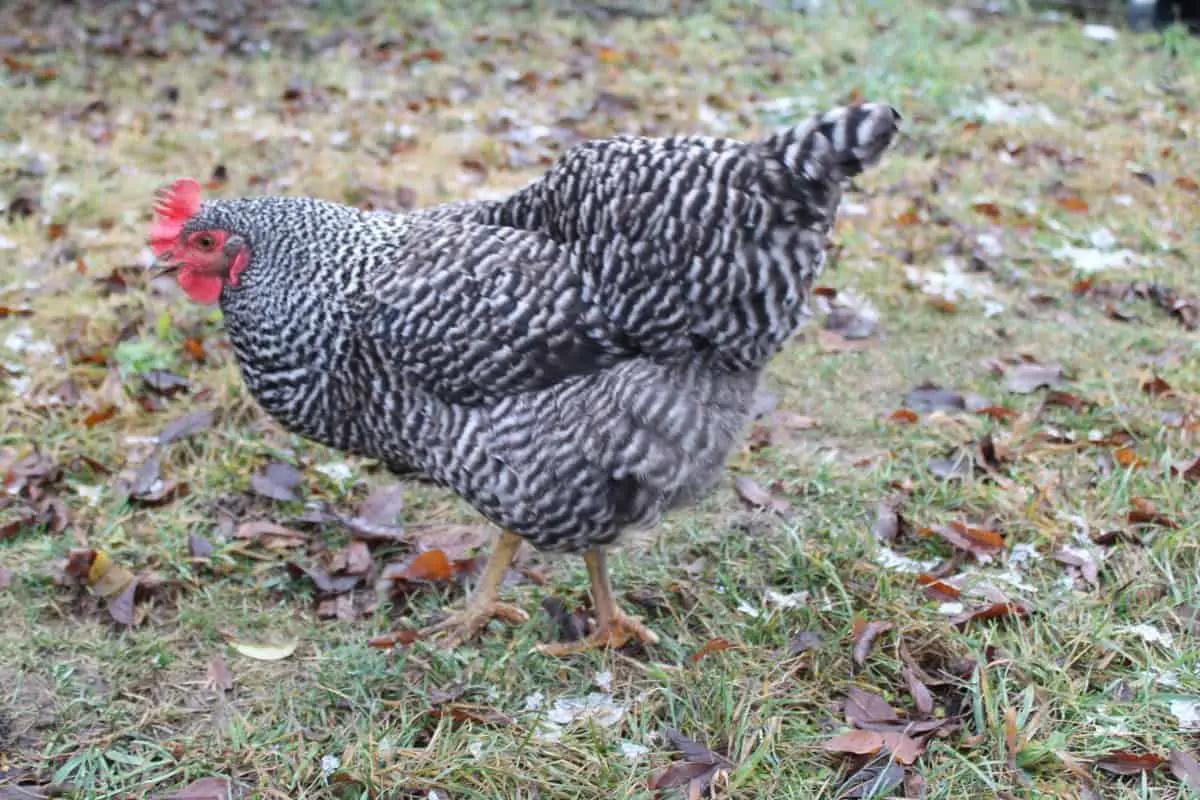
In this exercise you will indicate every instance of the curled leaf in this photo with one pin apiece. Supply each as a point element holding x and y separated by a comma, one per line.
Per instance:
<point>265,651</point>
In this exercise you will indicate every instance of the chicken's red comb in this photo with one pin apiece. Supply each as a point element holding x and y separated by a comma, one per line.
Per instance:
<point>176,205</point>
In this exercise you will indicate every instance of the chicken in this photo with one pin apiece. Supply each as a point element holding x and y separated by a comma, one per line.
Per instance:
<point>574,361</point>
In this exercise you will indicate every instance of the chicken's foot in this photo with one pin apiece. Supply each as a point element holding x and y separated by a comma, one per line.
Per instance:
<point>484,603</point>
<point>614,628</point>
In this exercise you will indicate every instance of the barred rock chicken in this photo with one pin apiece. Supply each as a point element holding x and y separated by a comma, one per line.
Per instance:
<point>574,361</point>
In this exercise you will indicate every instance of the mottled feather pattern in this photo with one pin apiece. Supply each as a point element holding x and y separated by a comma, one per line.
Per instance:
<point>574,360</point>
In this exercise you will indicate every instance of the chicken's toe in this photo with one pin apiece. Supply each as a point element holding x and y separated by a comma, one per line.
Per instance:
<point>461,626</point>
<point>619,631</point>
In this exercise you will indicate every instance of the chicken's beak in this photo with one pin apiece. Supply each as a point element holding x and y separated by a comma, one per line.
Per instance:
<point>163,268</point>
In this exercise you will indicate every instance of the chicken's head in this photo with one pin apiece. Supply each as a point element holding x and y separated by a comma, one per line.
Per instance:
<point>205,257</point>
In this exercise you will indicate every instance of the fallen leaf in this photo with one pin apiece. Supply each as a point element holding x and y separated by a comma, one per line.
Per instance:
<point>325,583</point>
<point>357,558</point>
<point>864,708</point>
<point>204,789</point>
<point>276,482</point>
<point>888,522</point>
<point>265,651</point>
<point>905,749</point>
<point>1123,762</point>
<point>199,548</point>
<point>1082,560</point>
<point>979,542</point>
<point>1143,513</point>
<point>935,586</point>
<point>375,520</point>
<point>458,542</point>
<point>1029,377</point>
<point>121,607</point>
<point>756,496</point>
<point>389,640</point>
<point>993,611</point>
<point>1128,457</point>
<point>1190,474</point>
<point>711,646</point>
<point>270,535</point>
<point>1072,203</point>
<point>219,676</point>
<point>6,576</point>
<point>164,382</point>
<point>1156,387</point>
<point>866,640</point>
<point>100,415</point>
<point>432,565</point>
<point>931,397</point>
<point>196,422</point>
<point>1186,768</point>
<point>804,641</point>
<point>921,696</point>
<point>1056,397</point>
<point>904,415</point>
<point>877,779</point>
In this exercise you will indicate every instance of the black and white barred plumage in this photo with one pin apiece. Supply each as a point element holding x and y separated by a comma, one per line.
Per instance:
<point>574,360</point>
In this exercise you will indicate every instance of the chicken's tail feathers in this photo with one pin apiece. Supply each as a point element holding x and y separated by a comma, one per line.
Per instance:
<point>838,144</point>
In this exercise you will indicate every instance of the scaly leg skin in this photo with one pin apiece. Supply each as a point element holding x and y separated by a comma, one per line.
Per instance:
<point>614,628</point>
<point>484,603</point>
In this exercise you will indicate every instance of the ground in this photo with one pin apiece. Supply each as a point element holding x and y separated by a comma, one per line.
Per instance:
<point>983,591</point>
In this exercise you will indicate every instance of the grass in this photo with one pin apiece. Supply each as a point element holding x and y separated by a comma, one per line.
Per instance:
<point>110,711</point>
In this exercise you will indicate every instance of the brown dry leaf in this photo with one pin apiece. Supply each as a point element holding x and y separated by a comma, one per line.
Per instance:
<point>1010,608</point>
<point>376,517</point>
<point>905,749</point>
<point>219,676</point>
<point>1143,513</point>
<point>804,641</point>
<point>863,708</point>
<point>711,646</point>
<point>1081,560</point>
<point>1156,387</point>
<point>270,534</point>
<point>866,640</point>
<point>199,548</point>
<point>921,695</point>
<point>979,542</point>
<point>358,558</point>
<point>325,583</point>
<point>1057,397</point>
<point>696,771</point>
<point>103,414</point>
<point>904,415</point>
<point>389,640</point>
<point>935,587</point>
<point>1190,474</point>
<point>204,789</point>
<point>1123,762</point>
<point>756,496</point>
<point>458,542</point>
<point>1185,767</point>
<point>989,210</point>
<point>276,482</point>
<point>889,524</point>
<point>931,397</point>
<point>196,422</point>
<point>1028,377</point>
<point>1072,203</point>
<point>1128,457</point>
<point>432,565</point>
<point>121,607</point>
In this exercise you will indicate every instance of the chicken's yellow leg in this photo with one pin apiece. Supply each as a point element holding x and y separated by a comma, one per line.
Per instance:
<point>614,628</point>
<point>484,603</point>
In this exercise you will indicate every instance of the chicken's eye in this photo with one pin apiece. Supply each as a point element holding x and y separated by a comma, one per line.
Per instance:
<point>206,241</point>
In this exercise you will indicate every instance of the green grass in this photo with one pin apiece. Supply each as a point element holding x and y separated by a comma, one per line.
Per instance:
<point>114,712</point>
